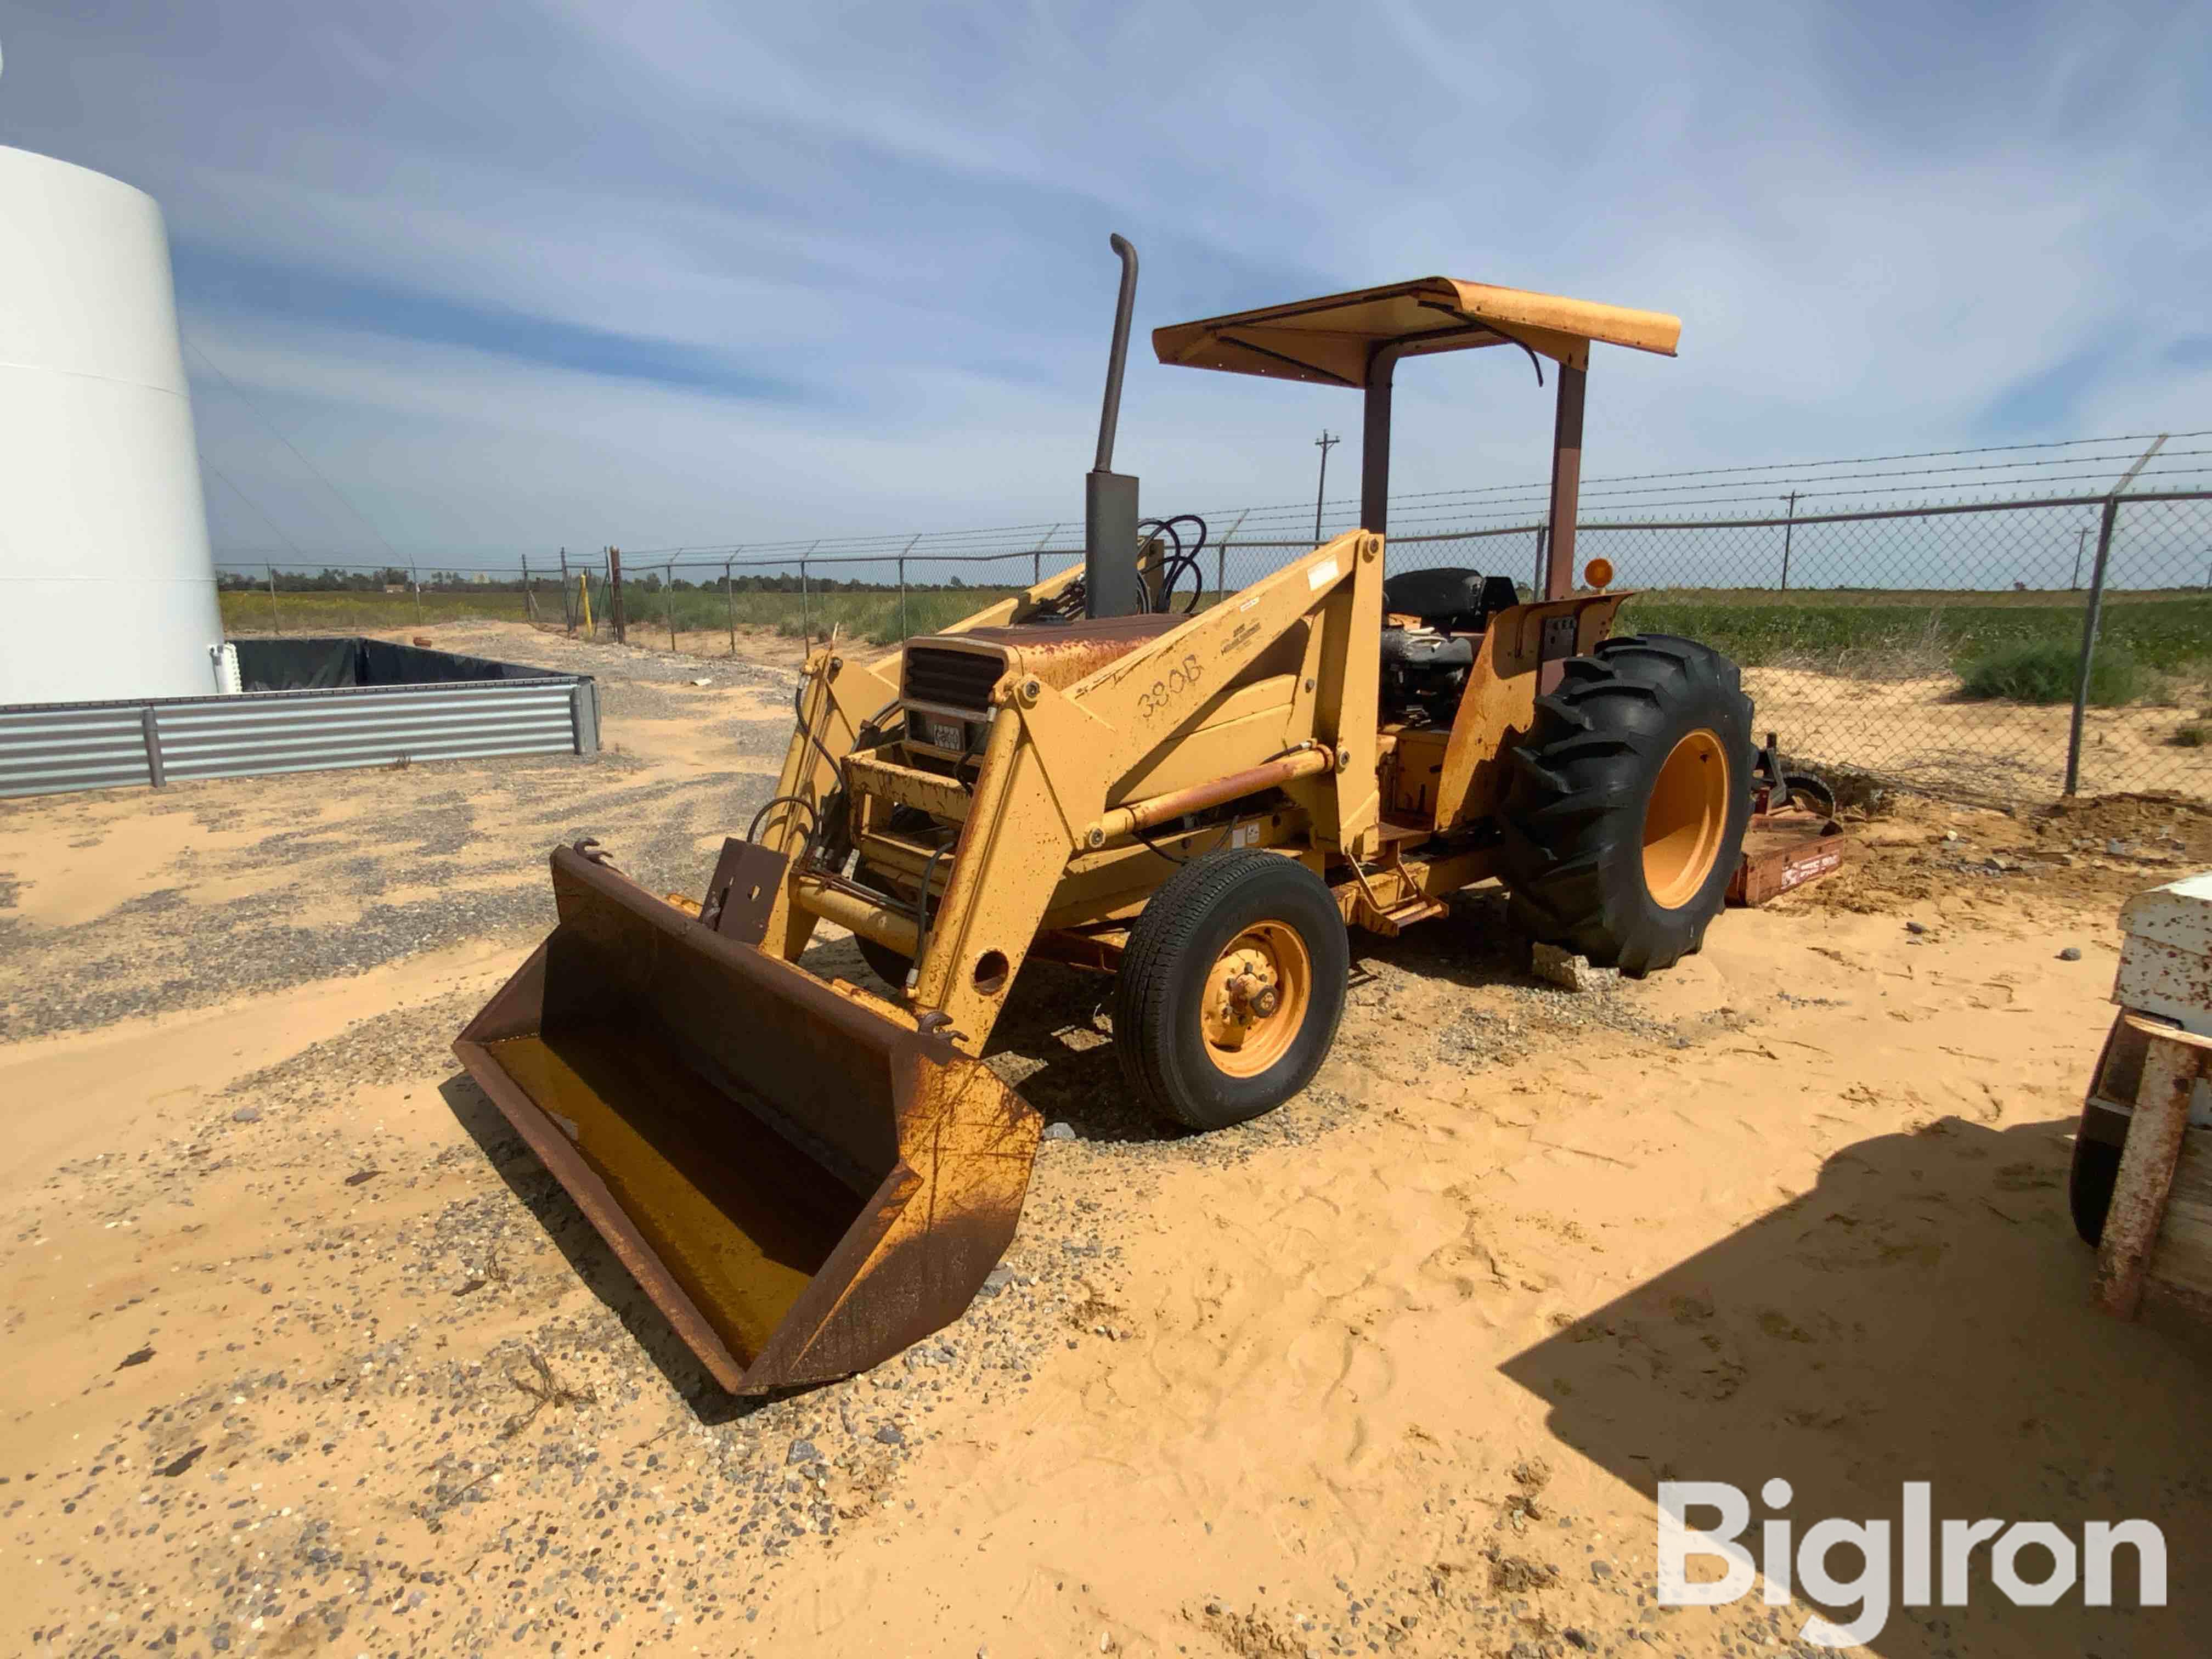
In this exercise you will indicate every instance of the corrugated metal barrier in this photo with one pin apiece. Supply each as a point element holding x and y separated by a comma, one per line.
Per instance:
<point>52,748</point>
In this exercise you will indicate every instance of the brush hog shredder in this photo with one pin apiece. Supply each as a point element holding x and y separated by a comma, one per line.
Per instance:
<point>1193,791</point>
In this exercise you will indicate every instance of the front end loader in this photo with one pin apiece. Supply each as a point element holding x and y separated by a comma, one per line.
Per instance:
<point>1197,793</point>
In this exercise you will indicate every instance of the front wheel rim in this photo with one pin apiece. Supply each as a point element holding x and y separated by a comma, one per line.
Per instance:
<point>1255,998</point>
<point>1686,820</point>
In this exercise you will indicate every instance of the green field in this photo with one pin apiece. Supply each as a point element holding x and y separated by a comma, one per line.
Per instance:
<point>1871,634</point>
<point>2168,631</point>
<point>871,615</point>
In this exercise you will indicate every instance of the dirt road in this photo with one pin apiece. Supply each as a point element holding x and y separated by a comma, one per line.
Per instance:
<point>308,1355</point>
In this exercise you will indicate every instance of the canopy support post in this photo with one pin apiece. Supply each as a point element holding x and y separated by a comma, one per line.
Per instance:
<point>1375,440</point>
<point>1566,483</point>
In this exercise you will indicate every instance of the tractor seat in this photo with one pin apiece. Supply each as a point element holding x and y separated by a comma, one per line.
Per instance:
<point>1451,599</point>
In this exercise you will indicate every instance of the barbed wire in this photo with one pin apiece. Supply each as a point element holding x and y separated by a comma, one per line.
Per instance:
<point>2058,466</point>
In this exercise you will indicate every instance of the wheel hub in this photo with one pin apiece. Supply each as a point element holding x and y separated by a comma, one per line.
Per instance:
<point>1255,998</point>
<point>1686,820</point>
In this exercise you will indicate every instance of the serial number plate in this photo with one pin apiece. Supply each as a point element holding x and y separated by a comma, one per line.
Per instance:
<point>948,735</point>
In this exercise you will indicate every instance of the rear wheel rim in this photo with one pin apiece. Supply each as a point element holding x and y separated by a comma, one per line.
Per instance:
<point>1686,820</point>
<point>1266,967</point>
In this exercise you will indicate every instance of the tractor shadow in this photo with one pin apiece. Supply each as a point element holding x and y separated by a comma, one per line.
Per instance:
<point>1924,1313</point>
<point>1473,945</point>
<point>589,1257</point>
<point>1052,1042</point>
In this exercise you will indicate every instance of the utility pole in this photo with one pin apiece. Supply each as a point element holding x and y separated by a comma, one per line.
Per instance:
<point>1327,441</point>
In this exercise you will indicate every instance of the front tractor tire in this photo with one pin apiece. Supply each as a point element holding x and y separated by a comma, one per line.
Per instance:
<point>1231,990</point>
<point>1624,815</point>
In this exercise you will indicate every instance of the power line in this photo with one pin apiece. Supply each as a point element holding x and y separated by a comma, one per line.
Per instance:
<point>294,448</point>
<point>1485,506</point>
<point>256,506</point>
<point>1718,472</point>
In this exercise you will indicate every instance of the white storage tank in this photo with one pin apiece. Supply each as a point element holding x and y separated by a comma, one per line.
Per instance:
<point>107,586</point>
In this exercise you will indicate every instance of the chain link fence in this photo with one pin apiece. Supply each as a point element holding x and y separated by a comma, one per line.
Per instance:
<point>2005,650</point>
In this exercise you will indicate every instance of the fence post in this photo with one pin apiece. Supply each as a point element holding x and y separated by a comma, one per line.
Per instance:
<point>1221,554</point>
<point>415,581</point>
<point>1543,534</point>
<point>806,609</point>
<point>2105,526</point>
<point>567,604</point>
<point>2081,541</point>
<point>2089,641</point>
<point>276,617</point>
<point>618,612</point>
<point>529,597</point>
<point>905,631</point>
<point>730,604</point>
<point>671,580</point>
<point>1036,554</point>
<point>157,774</point>
<point>1789,530</point>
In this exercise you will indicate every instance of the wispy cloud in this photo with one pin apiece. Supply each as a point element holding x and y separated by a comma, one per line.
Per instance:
<point>524,275</point>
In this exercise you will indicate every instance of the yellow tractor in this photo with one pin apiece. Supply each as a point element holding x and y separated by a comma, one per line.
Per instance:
<point>1196,794</point>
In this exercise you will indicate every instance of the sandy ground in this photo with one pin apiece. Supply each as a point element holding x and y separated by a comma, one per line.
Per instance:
<point>309,1355</point>
<point>140,901</point>
<point>1918,731</point>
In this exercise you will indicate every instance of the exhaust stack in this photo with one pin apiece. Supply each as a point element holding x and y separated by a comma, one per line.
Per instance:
<point>1109,498</point>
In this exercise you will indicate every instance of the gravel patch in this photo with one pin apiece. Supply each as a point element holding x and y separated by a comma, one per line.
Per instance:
<point>578,1476</point>
<point>438,1416</point>
<point>473,831</point>
<point>495,1440</point>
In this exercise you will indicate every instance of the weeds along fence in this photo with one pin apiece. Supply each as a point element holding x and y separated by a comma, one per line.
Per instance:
<point>2007,650</point>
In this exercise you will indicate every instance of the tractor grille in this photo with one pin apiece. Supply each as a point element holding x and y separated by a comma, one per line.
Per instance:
<point>951,679</point>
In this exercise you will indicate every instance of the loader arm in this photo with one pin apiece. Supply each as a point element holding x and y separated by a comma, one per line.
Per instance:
<point>838,694</point>
<point>806,1175</point>
<point>1168,695</point>
<point>1055,764</point>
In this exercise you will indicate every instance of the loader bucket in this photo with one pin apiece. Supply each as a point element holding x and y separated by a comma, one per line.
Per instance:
<point>802,1182</point>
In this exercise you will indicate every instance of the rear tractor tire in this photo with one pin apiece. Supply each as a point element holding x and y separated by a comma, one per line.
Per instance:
<point>1624,815</point>
<point>1231,987</point>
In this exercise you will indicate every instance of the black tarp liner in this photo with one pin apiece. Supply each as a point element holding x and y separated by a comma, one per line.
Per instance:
<point>319,664</point>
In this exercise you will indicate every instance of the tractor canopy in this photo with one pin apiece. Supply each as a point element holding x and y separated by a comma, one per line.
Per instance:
<point>1332,339</point>
<point>1356,339</point>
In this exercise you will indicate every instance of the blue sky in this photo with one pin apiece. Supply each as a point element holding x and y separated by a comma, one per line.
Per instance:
<point>516,276</point>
